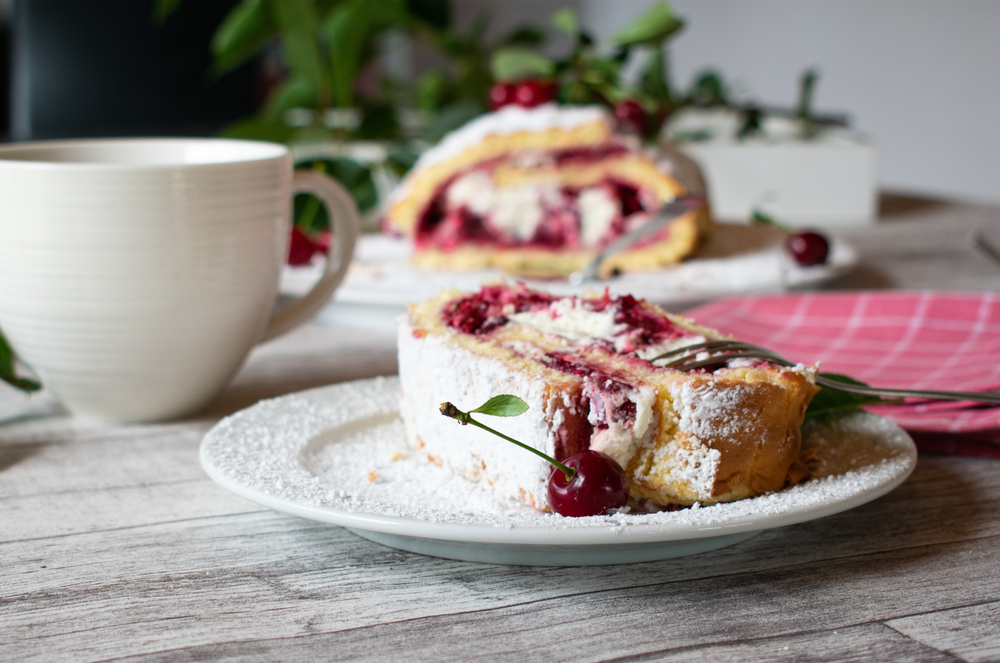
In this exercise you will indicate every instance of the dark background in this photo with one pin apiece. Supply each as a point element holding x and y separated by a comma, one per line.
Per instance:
<point>84,68</point>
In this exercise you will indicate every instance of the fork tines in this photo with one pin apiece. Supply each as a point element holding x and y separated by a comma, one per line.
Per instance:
<point>698,355</point>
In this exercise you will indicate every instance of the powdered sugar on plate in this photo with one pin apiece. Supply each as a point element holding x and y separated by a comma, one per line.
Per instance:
<point>339,454</point>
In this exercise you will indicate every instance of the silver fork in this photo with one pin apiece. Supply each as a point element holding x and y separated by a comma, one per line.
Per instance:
<point>663,216</point>
<point>691,357</point>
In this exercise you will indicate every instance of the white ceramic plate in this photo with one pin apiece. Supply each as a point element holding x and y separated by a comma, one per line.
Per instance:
<point>339,455</point>
<point>737,260</point>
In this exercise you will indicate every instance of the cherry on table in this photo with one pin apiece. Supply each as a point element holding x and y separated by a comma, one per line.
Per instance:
<point>534,92</point>
<point>599,487</point>
<point>808,248</point>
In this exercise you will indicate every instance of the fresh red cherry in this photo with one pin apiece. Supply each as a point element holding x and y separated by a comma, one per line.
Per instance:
<point>534,92</point>
<point>302,248</point>
<point>808,248</point>
<point>631,116</point>
<point>599,487</point>
<point>501,94</point>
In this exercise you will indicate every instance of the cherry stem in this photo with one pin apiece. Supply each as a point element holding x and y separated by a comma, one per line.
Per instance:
<point>464,418</point>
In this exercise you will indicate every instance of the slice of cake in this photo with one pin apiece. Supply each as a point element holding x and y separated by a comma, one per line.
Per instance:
<point>539,192</point>
<point>582,365</point>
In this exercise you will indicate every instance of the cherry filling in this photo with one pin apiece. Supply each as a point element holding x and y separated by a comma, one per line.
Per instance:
<point>488,309</point>
<point>559,215</point>
<point>587,154</point>
<point>604,396</point>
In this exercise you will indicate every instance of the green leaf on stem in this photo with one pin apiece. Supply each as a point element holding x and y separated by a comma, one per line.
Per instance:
<point>761,218</point>
<point>658,23</point>
<point>514,64</point>
<point>8,371</point>
<point>834,401</point>
<point>504,405</point>
<point>465,418</point>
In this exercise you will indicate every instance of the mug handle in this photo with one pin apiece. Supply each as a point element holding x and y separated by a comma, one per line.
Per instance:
<point>343,213</point>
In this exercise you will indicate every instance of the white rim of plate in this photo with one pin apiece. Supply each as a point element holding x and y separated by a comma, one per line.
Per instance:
<point>266,440</point>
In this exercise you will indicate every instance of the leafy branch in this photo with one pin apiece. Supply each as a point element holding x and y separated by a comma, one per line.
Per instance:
<point>830,400</point>
<point>504,405</point>
<point>8,370</point>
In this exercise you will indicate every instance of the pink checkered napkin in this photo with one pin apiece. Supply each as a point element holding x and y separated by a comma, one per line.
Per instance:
<point>909,340</point>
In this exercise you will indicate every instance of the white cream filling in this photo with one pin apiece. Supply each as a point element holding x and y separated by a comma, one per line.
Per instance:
<point>598,209</point>
<point>514,211</point>
<point>474,190</point>
<point>621,442</point>
<point>568,318</point>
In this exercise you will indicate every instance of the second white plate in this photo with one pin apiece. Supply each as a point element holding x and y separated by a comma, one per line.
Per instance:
<point>737,260</point>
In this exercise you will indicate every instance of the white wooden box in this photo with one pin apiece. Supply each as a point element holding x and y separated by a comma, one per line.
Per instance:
<point>829,181</point>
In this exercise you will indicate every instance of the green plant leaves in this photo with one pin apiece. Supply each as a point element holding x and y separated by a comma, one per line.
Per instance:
<point>658,23</point>
<point>514,64</point>
<point>709,89</point>
<point>451,117</point>
<point>436,13</point>
<point>300,25</point>
<point>8,372</point>
<point>244,32</point>
<point>503,406</point>
<point>655,82</point>
<point>565,20</point>
<point>830,400</point>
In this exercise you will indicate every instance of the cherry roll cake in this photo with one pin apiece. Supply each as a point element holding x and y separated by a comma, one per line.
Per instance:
<point>539,192</point>
<point>583,366</point>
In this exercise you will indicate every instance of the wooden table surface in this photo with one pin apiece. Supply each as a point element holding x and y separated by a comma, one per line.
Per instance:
<point>114,544</point>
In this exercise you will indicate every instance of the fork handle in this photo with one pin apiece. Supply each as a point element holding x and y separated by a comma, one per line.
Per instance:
<point>991,397</point>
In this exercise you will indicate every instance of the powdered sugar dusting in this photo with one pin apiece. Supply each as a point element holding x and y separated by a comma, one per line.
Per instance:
<point>343,448</point>
<point>698,407</point>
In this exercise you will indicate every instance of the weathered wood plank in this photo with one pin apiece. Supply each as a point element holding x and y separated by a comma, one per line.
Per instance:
<point>300,570</point>
<point>659,618</point>
<point>970,633</point>
<point>862,644</point>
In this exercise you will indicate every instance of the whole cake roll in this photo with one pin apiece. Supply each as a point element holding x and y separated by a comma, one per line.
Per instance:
<point>582,364</point>
<point>539,192</point>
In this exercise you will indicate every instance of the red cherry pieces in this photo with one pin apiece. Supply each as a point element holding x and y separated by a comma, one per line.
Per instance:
<point>599,486</point>
<point>502,94</point>
<point>808,248</point>
<point>630,115</point>
<point>528,93</point>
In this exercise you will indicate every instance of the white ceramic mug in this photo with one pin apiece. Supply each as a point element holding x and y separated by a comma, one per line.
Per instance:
<point>136,275</point>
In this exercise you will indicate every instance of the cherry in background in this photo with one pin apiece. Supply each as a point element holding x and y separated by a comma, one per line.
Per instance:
<point>502,94</point>
<point>528,93</point>
<point>631,116</point>
<point>304,246</point>
<point>808,248</point>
